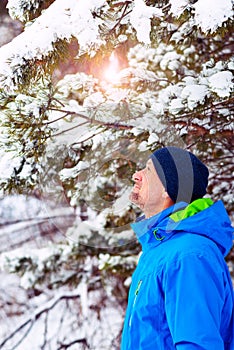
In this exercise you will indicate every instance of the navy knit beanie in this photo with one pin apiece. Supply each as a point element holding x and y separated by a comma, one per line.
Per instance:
<point>183,175</point>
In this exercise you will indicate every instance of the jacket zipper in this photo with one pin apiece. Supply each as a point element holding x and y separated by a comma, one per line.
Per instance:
<point>134,301</point>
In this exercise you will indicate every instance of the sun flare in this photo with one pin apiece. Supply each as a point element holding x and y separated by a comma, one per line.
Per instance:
<point>111,72</point>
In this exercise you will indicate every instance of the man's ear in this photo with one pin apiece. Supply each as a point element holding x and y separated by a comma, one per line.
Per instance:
<point>167,199</point>
<point>165,195</point>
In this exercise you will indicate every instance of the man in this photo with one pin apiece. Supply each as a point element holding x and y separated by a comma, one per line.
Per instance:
<point>181,295</point>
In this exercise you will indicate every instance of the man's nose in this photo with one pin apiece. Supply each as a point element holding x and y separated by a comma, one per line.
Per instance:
<point>137,176</point>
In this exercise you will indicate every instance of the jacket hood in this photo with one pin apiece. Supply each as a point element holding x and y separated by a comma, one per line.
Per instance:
<point>201,217</point>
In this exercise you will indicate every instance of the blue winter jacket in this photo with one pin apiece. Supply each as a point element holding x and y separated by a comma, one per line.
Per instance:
<point>181,295</point>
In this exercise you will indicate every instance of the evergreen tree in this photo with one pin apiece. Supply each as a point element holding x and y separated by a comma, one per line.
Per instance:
<point>81,136</point>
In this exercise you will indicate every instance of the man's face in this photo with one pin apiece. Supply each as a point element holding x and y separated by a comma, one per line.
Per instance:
<point>148,190</point>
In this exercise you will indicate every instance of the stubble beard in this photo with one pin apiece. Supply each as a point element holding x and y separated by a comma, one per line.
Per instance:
<point>135,198</point>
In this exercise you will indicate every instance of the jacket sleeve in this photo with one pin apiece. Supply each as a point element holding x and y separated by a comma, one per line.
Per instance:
<point>194,298</point>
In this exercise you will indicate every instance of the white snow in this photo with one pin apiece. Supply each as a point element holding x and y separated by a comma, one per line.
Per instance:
<point>194,94</point>
<point>178,6</point>
<point>72,172</point>
<point>8,162</point>
<point>170,61</point>
<point>152,138</point>
<point>60,21</point>
<point>121,204</point>
<point>176,105</point>
<point>221,83</point>
<point>140,19</point>
<point>20,207</point>
<point>208,14</point>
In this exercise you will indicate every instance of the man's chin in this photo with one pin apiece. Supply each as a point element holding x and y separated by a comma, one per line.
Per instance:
<point>135,199</point>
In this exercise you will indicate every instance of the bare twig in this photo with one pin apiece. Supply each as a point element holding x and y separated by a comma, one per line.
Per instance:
<point>38,313</point>
<point>64,346</point>
<point>24,336</point>
<point>69,129</point>
<point>56,120</point>
<point>115,125</point>
<point>36,219</point>
<point>45,331</point>
<point>122,16</point>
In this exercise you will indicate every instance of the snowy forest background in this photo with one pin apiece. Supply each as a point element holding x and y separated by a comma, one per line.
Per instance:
<point>88,89</point>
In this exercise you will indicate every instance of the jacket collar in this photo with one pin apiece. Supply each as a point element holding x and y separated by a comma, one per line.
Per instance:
<point>153,230</point>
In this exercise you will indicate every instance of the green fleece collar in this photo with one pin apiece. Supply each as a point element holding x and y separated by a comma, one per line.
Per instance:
<point>192,209</point>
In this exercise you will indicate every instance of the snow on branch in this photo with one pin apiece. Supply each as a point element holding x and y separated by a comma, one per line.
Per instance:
<point>21,9</point>
<point>140,19</point>
<point>208,14</point>
<point>60,21</point>
<point>81,19</point>
<point>76,293</point>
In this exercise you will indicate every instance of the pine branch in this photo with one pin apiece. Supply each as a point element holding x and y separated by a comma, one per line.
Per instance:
<point>206,108</point>
<point>125,5</point>
<point>115,125</point>
<point>27,10</point>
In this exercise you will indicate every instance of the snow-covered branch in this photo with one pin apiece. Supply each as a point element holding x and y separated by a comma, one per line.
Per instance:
<point>61,21</point>
<point>37,314</point>
<point>81,19</point>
